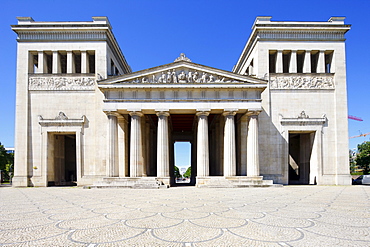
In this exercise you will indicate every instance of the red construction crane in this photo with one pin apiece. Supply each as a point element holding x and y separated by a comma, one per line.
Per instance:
<point>355,118</point>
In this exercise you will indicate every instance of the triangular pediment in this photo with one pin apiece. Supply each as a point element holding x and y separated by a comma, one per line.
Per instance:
<point>182,72</point>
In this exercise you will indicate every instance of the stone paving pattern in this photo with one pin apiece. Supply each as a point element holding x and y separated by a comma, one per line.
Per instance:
<point>186,216</point>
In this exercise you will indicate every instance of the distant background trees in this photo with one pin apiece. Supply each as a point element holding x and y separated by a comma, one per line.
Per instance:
<point>6,163</point>
<point>187,174</point>
<point>363,157</point>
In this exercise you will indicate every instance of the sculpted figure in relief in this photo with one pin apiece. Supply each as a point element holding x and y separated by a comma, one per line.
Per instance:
<point>195,77</point>
<point>174,76</point>
<point>190,77</point>
<point>169,77</point>
<point>203,78</point>
<point>182,77</point>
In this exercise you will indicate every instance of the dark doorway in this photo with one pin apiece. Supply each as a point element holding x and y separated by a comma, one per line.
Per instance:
<point>182,163</point>
<point>183,147</point>
<point>300,149</point>
<point>62,169</point>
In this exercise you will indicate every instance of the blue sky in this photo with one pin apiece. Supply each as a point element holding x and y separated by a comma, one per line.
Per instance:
<point>213,33</point>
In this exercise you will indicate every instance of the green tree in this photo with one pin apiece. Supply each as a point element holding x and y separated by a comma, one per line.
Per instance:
<point>352,161</point>
<point>6,163</point>
<point>187,174</point>
<point>177,172</point>
<point>363,156</point>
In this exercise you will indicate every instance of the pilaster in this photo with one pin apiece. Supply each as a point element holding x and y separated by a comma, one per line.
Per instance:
<point>56,63</point>
<point>70,62</point>
<point>321,62</point>
<point>279,61</point>
<point>84,62</point>
<point>307,62</point>
<point>293,62</point>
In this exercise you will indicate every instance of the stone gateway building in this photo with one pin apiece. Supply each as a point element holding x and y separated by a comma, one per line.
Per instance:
<point>83,117</point>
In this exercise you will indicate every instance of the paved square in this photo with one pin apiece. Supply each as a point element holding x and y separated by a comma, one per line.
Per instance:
<point>186,216</point>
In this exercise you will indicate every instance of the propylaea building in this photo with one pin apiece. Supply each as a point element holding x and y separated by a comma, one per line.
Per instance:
<point>83,117</point>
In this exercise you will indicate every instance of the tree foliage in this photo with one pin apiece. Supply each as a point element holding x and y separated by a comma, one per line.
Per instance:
<point>177,172</point>
<point>363,156</point>
<point>6,163</point>
<point>187,174</point>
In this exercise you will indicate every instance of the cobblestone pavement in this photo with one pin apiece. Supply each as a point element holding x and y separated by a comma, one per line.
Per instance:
<point>186,216</point>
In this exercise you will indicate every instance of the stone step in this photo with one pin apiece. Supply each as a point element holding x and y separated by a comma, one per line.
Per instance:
<point>123,182</point>
<point>235,182</point>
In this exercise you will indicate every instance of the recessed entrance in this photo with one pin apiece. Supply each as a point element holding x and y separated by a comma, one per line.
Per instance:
<point>182,171</point>
<point>62,160</point>
<point>300,150</point>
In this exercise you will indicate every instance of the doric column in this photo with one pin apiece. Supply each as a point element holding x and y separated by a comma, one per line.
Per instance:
<point>279,62</point>
<point>293,62</point>
<point>229,144</point>
<point>136,147</point>
<point>202,145</point>
<point>252,145</point>
<point>321,62</point>
<point>56,62</point>
<point>112,144</point>
<point>70,62</point>
<point>307,62</point>
<point>163,153</point>
<point>84,62</point>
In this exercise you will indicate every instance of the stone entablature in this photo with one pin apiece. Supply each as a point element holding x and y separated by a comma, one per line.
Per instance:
<point>302,81</point>
<point>298,35</point>
<point>62,35</point>
<point>61,83</point>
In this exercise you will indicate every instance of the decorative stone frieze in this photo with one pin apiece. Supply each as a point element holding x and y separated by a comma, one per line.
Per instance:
<point>302,81</point>
<point>61,83</point>
<point>301,35</point>
<point>184,76</point>
<point>62,35</point>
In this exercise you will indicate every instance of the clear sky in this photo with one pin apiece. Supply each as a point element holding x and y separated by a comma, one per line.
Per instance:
<point>213,33</point>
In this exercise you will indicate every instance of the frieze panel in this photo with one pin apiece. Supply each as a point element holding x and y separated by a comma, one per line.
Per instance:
<point>184,76</point>
<point>301,35</point>
<point>61,83</point>
<point>310,81</point>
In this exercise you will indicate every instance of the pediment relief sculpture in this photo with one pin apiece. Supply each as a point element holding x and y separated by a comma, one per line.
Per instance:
<point>184,76</point>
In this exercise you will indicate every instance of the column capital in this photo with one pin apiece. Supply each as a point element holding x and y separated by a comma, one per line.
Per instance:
<point>229,112</point>
<point>162,113</point>
<point>112,113</point>
<point>136,113</point>
<point>253,112</point>
<point>202,113</point>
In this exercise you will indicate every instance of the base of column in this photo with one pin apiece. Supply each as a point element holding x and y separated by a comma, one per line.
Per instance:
<point>234,182</point>
<point>20,181</point>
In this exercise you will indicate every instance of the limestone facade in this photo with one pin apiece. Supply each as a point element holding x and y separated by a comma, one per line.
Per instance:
<point>83,117</point>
